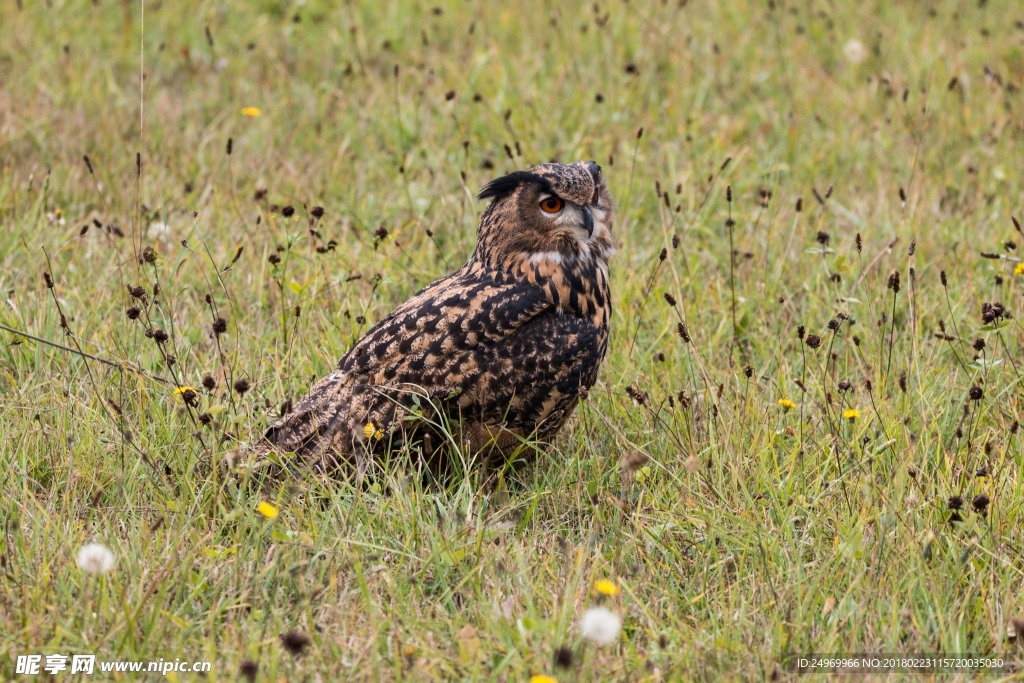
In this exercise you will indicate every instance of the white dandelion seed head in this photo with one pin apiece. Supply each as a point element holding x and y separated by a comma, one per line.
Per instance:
<point>95,558</point>
<point>854,51</point>
<point>600,626</point>
<point>158,231</point>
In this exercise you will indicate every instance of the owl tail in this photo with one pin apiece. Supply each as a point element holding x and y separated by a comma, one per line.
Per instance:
<point>316,429</point>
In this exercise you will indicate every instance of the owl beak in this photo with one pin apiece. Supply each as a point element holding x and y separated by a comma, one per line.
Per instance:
<point>588,221</point>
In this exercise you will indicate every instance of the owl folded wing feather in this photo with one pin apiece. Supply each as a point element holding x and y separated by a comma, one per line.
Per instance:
<point>426,347</point>
<point>458,312</point>
<point>524,383</point>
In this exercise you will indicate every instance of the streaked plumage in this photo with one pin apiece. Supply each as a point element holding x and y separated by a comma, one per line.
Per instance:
<point>503,347</point>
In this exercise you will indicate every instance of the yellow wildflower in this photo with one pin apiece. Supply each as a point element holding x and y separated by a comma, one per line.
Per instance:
<point>851,414</point>
<point>181,390</point>
<point>372,432</point>
<point>267,510</point>
<point>786,403</point>
<point>1019,270</point>
<point>541,678</point>
<point>251,111</point>
<point>606,587</point>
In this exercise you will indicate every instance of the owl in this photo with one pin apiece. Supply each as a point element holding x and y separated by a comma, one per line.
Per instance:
<point>497,352</point>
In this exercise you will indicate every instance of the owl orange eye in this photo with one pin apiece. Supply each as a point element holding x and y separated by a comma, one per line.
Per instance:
<point>551,204</point>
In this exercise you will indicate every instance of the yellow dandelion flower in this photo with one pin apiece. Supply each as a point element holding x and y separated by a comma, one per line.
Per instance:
<point>181,390</point>
<point>851,414</point>
<point>372,432</point>
<point>786,403</point>
<point>606,587</point>
<point>251,111</point>
<point>541,678</point>
<point>1019,270</point>
<point>267,510</point>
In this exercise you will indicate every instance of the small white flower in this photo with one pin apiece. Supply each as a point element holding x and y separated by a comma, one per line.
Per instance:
<point>854,51</point>
<point>95,558</point>
<point>600,626</point>
<point>158,230</point>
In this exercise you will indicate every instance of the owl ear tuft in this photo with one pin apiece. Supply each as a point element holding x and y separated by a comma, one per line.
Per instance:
<point>506,185</point>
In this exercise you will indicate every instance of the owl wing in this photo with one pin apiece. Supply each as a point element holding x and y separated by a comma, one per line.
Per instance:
<point>421,347</point>
<point>528,381</point>
<point>503,384</point>
<point>454,314</point>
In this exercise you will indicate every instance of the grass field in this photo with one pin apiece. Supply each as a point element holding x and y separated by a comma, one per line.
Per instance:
<point>872,155</point>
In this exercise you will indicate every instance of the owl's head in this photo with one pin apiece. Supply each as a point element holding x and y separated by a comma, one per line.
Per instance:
<point>551,210</point>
